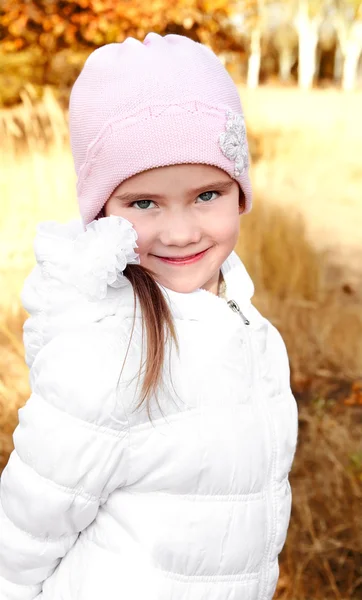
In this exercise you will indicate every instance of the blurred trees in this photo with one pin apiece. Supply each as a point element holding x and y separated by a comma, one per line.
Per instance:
<point>308,19</point>
<point>299,31</point>
<point>47,41</point>
<point>348,23</point>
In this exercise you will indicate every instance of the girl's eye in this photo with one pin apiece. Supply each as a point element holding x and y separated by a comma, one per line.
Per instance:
<point>207,196</point>
<point>142,203</point>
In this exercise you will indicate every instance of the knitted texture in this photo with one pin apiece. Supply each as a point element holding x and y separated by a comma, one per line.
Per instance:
<point>140,105</point>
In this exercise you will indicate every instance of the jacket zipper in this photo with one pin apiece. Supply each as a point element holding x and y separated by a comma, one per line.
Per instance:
<point>235,307</point>
<point>271,509</point>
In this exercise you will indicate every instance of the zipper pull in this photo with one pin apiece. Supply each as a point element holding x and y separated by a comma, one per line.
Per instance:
<point>235,307</point>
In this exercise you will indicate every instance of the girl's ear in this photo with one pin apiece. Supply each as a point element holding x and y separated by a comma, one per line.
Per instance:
<point>241,201</point>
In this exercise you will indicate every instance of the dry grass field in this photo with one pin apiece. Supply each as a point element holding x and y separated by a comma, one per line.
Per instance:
<point>301,245</point>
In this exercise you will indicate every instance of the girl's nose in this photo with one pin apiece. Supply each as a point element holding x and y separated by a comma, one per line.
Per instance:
<point>180,230</point>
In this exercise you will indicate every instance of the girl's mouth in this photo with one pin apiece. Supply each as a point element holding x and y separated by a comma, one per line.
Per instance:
<point>183,261</point>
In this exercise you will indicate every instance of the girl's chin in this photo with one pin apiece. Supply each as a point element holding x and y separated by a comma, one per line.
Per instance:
<point>177,285</point>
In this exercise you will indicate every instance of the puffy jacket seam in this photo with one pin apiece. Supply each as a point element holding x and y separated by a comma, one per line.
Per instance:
<point>271,482</point>
<point>85,495</point>
<point>283,395</point>
<point>247,497</point>
<point>43,313</point>
<point>162,422</point>
<point>275,487</point>
<point>174,575</point>
<point>38,538</point>
<point>40,313</point>
<point>241,577</point>
<point>273,518</point>
<point>26,586</point>
<point>83,422</point>
<point>282,483</point>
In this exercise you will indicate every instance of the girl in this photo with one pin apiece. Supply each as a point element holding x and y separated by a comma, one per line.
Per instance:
<point>152,457</point>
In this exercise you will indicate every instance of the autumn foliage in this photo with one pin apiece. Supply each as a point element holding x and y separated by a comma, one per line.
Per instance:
<point>45,42</point>
<point>54,25</point>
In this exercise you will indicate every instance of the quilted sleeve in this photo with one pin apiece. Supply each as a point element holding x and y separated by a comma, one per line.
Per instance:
<point>70,452</point>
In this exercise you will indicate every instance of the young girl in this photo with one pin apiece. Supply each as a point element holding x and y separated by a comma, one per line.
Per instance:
<point>152,457</point>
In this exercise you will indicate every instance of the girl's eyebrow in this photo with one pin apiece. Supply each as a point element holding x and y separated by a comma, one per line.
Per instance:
<point>222,186</point>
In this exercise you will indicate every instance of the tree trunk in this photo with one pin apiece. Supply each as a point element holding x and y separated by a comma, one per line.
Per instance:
<point>286,61</point>
<point>307,45</point>
<point>307,59</point>
<point>254,58</point>
<point>338,64</point>
<point>350,43</point>
<point>353,52</point>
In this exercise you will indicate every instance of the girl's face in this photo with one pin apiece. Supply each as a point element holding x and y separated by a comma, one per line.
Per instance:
<point>178,211</point>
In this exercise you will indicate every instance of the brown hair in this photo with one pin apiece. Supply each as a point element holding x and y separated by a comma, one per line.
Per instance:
<point>160,326</point>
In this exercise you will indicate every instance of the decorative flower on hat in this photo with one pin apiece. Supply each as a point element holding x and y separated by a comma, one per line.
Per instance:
<point>233,142</point>
<point>101,254</point>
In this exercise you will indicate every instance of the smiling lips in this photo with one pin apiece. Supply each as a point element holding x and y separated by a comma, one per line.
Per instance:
<point>183,260</point>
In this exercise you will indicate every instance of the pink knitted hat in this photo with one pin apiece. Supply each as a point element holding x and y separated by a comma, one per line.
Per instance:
<point>140,105</point>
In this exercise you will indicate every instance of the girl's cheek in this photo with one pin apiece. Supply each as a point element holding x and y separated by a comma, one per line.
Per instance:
<point>225,229</point>
<point>143,242</point>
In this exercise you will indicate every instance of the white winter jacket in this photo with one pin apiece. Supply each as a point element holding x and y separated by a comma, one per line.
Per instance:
<point>99,503</point>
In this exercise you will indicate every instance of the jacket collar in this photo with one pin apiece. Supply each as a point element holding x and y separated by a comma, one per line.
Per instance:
<point>202,304</point>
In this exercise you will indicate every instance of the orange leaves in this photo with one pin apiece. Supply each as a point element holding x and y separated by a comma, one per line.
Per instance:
<point>101,6</point>
<point>355,397</point>
<point>84,4</point>
<point>211,6</point>
<point>47,41</point>
<point>80,19</point>
<point>17,26</point>
<point>55,25</point>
